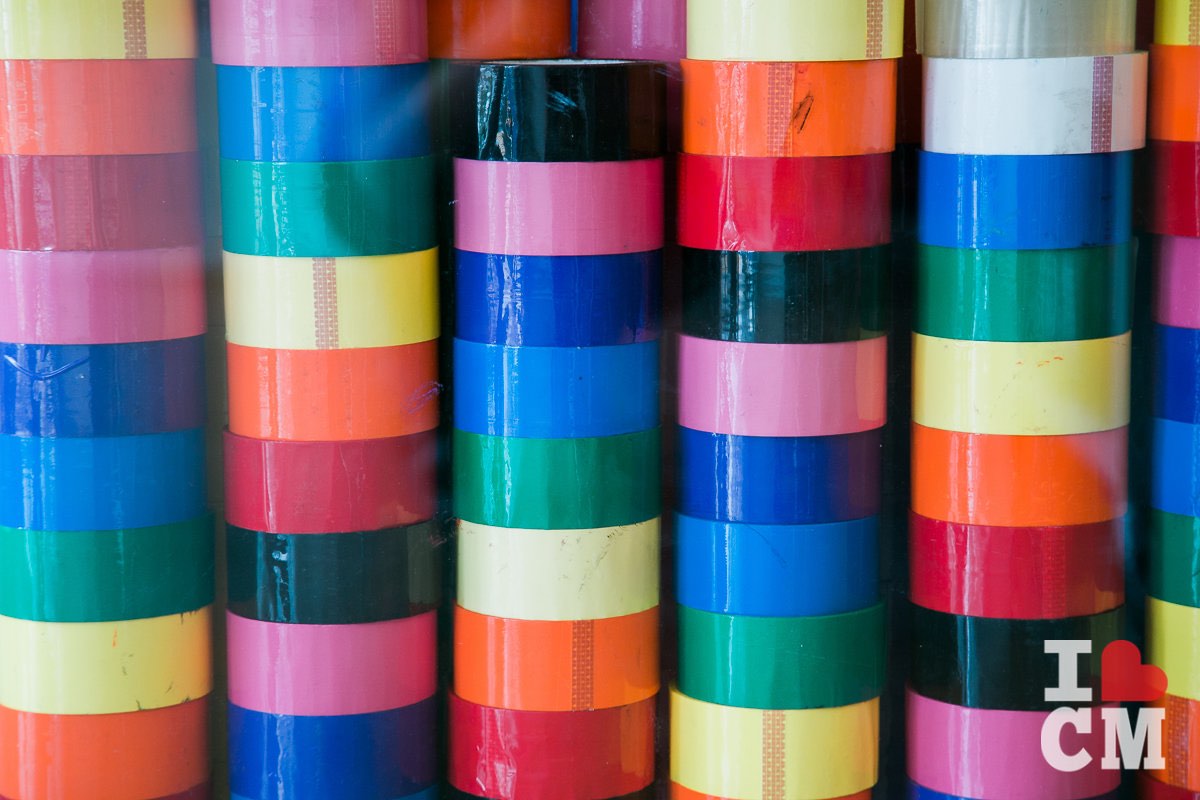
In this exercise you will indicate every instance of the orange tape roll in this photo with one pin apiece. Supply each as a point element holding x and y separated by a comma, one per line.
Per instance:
<point>1175,89</point>
<point>786,109</point>
<point>523,665</point>
<point>1181,742</point>
<point>486,29</point>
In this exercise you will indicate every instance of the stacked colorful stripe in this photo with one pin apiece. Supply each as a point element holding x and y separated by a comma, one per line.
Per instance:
<point>1020,384</point>
<point>332,325</point>
<point>556,443</point>
<point>784,219</point>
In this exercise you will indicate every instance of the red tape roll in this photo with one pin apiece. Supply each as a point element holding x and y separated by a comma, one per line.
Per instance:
<point>1151,789</point>
<point>1175,190</point>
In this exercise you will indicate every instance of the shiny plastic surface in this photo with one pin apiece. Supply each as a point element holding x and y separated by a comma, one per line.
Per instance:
<point>1175,87</point>
<point>1182,769</point>
<point>1021,29</point>
<point>795,30</point>
<point>99,29</point>
<point>492,29</point>
<point>1173,208</point>
<point>654,30</point>
<point>1175,647</point>
<point>1175,467</point>
<point>1173,573</point>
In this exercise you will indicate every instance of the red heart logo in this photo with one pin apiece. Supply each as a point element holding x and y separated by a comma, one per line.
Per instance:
<point>1123,676</point>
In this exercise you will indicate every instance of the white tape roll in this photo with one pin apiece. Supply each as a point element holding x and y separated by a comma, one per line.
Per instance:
<point>1025,28</point>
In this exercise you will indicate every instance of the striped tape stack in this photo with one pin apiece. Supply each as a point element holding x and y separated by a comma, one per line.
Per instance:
<point>1020,383</point>
<point>332,326</point>
<point>784,220</point>
<point>105,544</point>
<point>1173,529</point>
<point>558,176</point>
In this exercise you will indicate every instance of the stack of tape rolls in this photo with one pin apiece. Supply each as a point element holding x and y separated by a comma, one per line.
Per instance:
<point>106,546</point>
<point>789,125</point>
<point>1020,384</point>
<point>558,175</point>
<point>332,326</point>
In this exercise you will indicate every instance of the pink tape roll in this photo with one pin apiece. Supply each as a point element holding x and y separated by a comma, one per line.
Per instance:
<point>101,297</point>
<point>782,389</point>
<point>650,30</point>
<point>559,208</point>
<point>972,752</point>
<point>331,670</point>
<point>318,33</point>
<point>1177,295</point>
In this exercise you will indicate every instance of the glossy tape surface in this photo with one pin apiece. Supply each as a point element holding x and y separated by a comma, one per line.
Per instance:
<point>1023,29</point>
<point>491,29</point>
<point>1173,545</point>
<point>1175,645</point>
<point>1175,112</point>
<point>646,29</point>
<point>1173,23</point>
<point>1182,734</point>
<point>794,30</point>
<point>1175,467</point>
<point>1174,195</point>
<point>1177,293</point>
<point>104,29</point>
<point>1177,374</point>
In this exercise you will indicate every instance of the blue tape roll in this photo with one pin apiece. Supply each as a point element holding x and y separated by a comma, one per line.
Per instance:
<point>1175,478</point>
<point>102,483</point>
<point>917,792</point>
<point>1025,202</point>
<point>323,113</point>
<point>555,392</point>
<point>1177,374</point>
<point>777,570</point>
<point>101,389</point>
<point>782,481</point>
<point>559,301</point>
<point>387,754</point>
<point>429,794</point>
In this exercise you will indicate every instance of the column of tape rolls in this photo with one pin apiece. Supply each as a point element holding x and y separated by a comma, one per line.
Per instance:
<point>332,325</point>
<point>558,180</point>
<point>105,543</point>
<point>1173,523</point>
<point>789,125</point>
<point>1020,383</point>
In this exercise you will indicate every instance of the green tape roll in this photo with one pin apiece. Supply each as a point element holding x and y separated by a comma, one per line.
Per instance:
<point>1024,295</point>
<point>102,576</point>
<point>328,209</point>
<point>550,484</point>
<point>1174,571</point>
<point>782,662</point>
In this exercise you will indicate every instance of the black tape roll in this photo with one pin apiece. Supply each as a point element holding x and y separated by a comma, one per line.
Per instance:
<point>648,793</point>
<point>334,578</point>
<point>548,110</point>
<point>786,298</point>
<point>984,662</point>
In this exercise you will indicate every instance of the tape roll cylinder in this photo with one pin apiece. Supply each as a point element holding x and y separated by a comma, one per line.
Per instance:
<point>1024,29</point>
<point>794,30</point>
<point>99,29</point>
<point>492,29</point>
<point>1173,540</point>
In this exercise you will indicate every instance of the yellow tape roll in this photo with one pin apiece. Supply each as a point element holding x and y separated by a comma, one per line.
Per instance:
<point>1173,22</point>
<point>795,30</point>
<point>331,303</point>
<point>1021,388</point>
<point>1174,635</point>
<point>105,667</point>
<point>723,751</point>
<point>100,29</point>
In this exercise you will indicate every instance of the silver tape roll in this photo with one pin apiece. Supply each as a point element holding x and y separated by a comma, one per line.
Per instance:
<point>1025,28</point>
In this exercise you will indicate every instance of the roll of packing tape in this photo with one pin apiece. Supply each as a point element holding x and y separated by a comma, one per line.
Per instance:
<point>1025,28</point>
<point>572,755</point>
<point>1175,645</point>
<point>1082,105</point>
<point>737,203</point>
<point>99,576</point>
<point>386,754</point>
<point>646,29</point>
<point>1174,195</point>
<point>1175,87</point>
<point>1175,471</point>
<point>556,483</point>
<point>1181,750</point>
<point>794,30</point>
<point>1176,377</point>
<point>1177,293</point>
<point>780,390</point>
<point>108,29</point>
<point>681,792</point>
<point>105,667</point>
<point>973,752</point>
<point>776,570</point>
<point>334,578</point>
<point>555,392</point>
<point>596,663</point>
<point>1024,295</point>
<point>330,487</point>
<point>489,29</point>
<point>331,303</point>
<point>558,575</point>
<point>551,110</point>
<point>1174,541</point>
<point>779,481</point>
<point>1019,481</point>
<point>99,202</point>
<point>159,753</point>
<point>648,793</point>
<point>1016,573</point>
<point>786,298</point>
<point>917,792</point>
<point>1151,789</point>
<point>331,670</point>
<point>787,110</point>
<point>323,113</point>
<point>558,301</point>
<point>1025,202</point>
<point>782,662</point>
<point>559,209</point>
<point>1174,23</point>
<point>318,33</point>
<point>102,483</point>
<point>97,108</point>
<point>748,752</point>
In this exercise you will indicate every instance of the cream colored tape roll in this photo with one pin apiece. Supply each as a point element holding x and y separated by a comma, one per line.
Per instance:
<point>1037,106</point>
<point>795,30</point>
<point>1177,22</point>
<point>100,29</point>
<point>105,667</point>
<point>558,574</point>
<point>1174,637</point>
<point>1021,388</point>
<point>1025,28</point>
<point>331,303</point>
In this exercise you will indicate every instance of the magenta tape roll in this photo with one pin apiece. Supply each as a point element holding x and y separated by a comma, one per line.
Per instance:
<point>559,208</point>
<point>1177,294</point>
<point>650,30</point>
